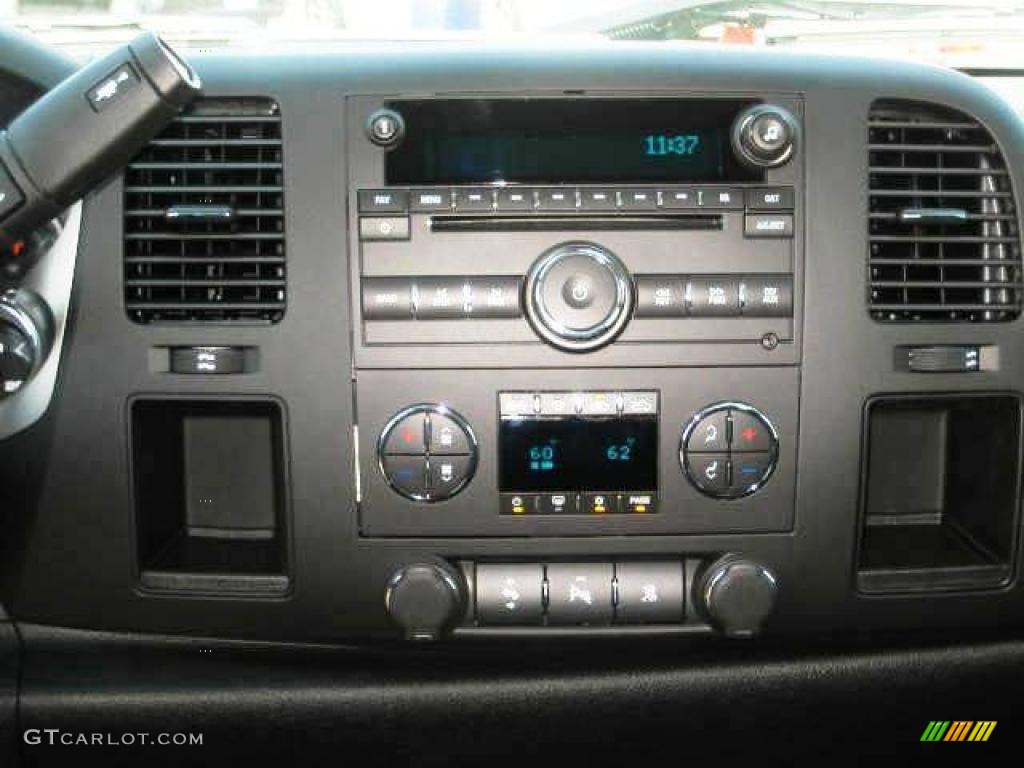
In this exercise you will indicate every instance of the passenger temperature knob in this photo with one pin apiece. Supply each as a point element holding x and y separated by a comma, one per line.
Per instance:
<point>737,595</point>
<point>424,599</point>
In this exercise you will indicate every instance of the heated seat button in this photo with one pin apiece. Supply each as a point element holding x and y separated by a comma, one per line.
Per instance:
<point>749,432</point>
<point>447,475</point>
<point>600,503</point>
<point>649,593</point>
<point>510,594</point>
<point>580,593</point>
<point>408,435</point>
<point>447,437</point>
<point>407,475</point>
<point>710,434</point>
<point>709,472</point>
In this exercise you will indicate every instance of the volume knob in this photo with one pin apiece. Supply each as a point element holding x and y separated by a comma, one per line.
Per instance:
<point>738,595</point>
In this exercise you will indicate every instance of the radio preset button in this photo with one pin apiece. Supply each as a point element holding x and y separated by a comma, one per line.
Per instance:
<point>561,199</point>
<point>510,594</point>
<point>638,199</point>
<point>387,298</point>
<point>383,228</point>
<point>768,225</point>
<point>515,200</point>
<point>649,593</point>
<point>473,200</point>
<point>598,200</point>
<point>383,201</point>
<point>770,199</point>
<point>580,593</point>
<point>714,297</point>
<point>430,200</point>
<point>679,198</point>
<point>767,296</point>
<point>658,296</point>
<point>722,198</point>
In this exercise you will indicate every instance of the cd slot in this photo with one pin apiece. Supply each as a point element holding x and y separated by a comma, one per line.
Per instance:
<point>575,223</point>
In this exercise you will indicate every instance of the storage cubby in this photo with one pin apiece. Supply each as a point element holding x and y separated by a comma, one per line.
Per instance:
<point>210,480</point>
<point>940,493</point>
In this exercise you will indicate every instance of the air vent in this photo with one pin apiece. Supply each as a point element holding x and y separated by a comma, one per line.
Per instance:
<point>204,218</point>
<point>942,229</point>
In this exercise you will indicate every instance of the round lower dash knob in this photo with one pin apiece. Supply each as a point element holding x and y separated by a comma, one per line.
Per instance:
<point>425,599</point>
<point>737,595</point>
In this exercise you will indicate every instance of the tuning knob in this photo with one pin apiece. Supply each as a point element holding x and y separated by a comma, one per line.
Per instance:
<point>425,599</point>
<point>764,136</point>
<point>26,335</point>
<point>737,595</point>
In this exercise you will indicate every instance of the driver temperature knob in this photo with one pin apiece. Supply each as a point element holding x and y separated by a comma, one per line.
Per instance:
<point>26,335</point>
<point>737,595</point>
<point>425,599</point>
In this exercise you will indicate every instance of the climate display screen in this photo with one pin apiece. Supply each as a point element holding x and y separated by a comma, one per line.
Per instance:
<point>579,454</point>
<point>469,141</point>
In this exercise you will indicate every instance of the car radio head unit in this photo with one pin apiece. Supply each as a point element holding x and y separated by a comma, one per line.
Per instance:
<point>477,141</point>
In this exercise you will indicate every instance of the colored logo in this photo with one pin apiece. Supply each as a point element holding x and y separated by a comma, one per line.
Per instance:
<point>958,730</point>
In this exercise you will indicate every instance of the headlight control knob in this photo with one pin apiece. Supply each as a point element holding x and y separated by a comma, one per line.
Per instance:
<point>764,136</point>
<point>26,335</point>
<point>737,595</point>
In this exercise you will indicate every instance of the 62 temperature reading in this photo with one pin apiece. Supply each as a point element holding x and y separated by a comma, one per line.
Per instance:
<point>621,451</point>
<point>659,144</point>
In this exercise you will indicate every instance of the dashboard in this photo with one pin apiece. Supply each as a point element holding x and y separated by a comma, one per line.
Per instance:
<point>480,345</point>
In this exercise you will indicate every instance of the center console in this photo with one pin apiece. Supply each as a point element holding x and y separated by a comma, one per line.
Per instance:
<point>618,280</point>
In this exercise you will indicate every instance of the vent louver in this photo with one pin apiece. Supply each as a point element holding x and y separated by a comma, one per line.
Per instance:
<point>942,223</point>
<point>204,218</point>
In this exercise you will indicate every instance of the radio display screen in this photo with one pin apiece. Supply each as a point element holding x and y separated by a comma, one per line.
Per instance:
<point>468,141</point>
<point>578,454</point>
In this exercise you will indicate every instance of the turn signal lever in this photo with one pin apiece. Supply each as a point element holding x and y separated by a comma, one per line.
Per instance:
<point>87,129</point>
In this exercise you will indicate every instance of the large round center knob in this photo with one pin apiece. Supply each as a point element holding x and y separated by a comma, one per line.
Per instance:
<point>579,296</point>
